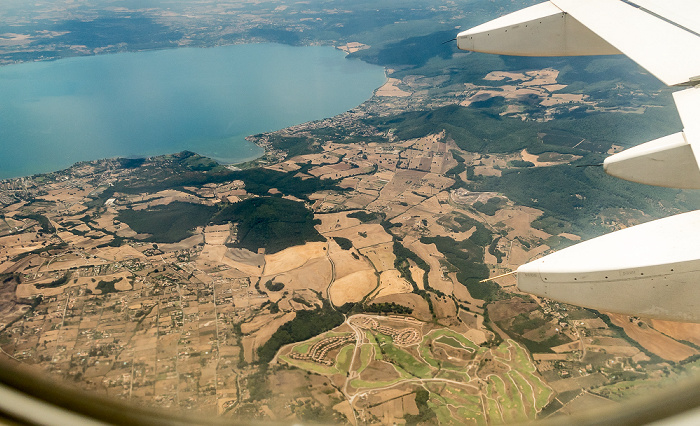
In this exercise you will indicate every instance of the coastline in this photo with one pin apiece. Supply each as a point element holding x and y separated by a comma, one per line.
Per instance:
<point>157,147</point>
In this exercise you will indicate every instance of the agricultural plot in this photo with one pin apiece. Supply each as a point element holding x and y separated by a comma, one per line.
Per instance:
<point>327,354</point>
<point>386,355</point>
<point>518,395</point>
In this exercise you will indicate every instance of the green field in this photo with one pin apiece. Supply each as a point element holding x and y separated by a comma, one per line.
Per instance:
<point>492,410</point>
<point>630,389</point>
<point>377,353</point>
<point>401,358</point>
<point>310,366</point>
<point>441,333</point>
<point>514,396</point>
<point>427,356</point>
<point>524,387</point>
<point>365,356</point>
<point>344,358</point>
<point>450,341</point>
<point>525,394</point>
<point>357,383</point>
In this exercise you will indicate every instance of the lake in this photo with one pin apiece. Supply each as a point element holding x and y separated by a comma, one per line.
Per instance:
<point>53,114</point>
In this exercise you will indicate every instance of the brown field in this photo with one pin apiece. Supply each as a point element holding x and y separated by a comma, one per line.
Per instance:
<point>70,238</point>
<point>611,345</point>
<point>263,334</point>
<point>248,342</point>
<point>391,282</point>
<point>475,335</point>
<point>583,382</point>
<point>394,407</point>
<point>417,275</point>
<point>567,347</point>
<point>549,357</point>
<point>345,263</point>
<point>389,89</point>
<point>293,257</point>
<point>375,235</point>
<point>359,201</point>
<point>244,261</point>
<point>19,242</point>
<point>615,350</point>
<point>286,166</point>
<point>217,234</point>
<point>432,205</point>
<point>689,332</point>
<point>430,254</point>
<point>591,323</point>
<point>517,255</point>
<point>382,256</point>
<point>353,287</point>
<point>652,340</point>
<point>258,322</point>
<point>29,289</point>
<point>70,261</point>
<point>500,75</point>
<point>106,220</point>
<point>436,229</point>
<point>378,371</point>
<point>463,197</point>
<point>325,157</point>
<point>187,243</point>
<point>315,274</point>
<point>505,309</point>
<point>585,402</point>
<point>335,221</point>
<point>123,284</point>
<point>571,237</point>
<point>246,257</point>
<point>445,310</point>
<point>332,169</point>
<point>520,218</point>
<point>535,159</point>
<point>169,195</point>
<point>400,182</point>
<point>541,333</point>
<point>118,254</point>
<point>413,301</point>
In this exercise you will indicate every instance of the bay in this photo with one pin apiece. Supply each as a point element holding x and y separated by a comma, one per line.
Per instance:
<point>53,114</point>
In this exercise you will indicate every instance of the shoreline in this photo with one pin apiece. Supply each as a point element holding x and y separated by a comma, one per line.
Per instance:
<point>201,150</point>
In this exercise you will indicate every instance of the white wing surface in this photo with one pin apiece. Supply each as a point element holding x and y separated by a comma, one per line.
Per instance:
<point>685,13</point>
<point>671,161</point>
<point>664,47</point>
<point>651,269</point>
<point>647,270</point>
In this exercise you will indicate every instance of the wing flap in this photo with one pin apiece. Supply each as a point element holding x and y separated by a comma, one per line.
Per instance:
<point>688,104</point>
<point>683,12</point>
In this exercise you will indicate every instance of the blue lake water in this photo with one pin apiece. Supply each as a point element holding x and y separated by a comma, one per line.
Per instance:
<point>53,114</point>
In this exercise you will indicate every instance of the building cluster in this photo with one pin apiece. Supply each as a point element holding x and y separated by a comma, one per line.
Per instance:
<point>402,337</point>
<point>318,351</point>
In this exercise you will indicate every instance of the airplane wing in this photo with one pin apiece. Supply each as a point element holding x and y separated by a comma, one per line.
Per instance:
<point>650,269</point>
<point>597,27</point>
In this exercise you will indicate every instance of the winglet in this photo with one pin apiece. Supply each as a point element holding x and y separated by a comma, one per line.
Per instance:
<point>671,161</point>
